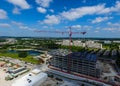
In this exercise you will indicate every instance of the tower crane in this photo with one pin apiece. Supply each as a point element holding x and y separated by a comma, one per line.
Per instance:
<point>70,32</point>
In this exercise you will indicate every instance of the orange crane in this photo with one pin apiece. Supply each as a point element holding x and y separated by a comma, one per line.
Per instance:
<point>70,38</point>
<point>63,32</point>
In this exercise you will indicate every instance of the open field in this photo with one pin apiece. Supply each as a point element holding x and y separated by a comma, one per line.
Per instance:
<point>29,58</point>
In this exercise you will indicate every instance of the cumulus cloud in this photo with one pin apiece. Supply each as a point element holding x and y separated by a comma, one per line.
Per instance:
<point>45,26</point>
<point>4,25</point>
<point>51,10</point>
<point>76,13</point>
<point>41,10</point>
<point>96,31</point>
<point>113,24</point>
<point>27,28</point>
<point>109,29</point>
<point>115,8</point>
<point>76,26</point>
<point>87,27</point>
<point>20,3</point>
<point>100,19</point>
<point>22,26</point>
<point>51,19</point>
<point>3,14</point>
<point>44,3</point>
<point>16,10</point>
<point>17,23</point>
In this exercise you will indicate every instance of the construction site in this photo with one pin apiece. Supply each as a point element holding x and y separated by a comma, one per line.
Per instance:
<point>83,64</point>
<point>79,62</point>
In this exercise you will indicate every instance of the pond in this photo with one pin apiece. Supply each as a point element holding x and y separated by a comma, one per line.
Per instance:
<point>30,52</point>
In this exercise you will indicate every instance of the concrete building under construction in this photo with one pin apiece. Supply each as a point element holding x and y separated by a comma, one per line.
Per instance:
<point>77,62</point>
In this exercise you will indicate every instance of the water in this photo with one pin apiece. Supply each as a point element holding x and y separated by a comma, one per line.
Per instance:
<point>30,52</point>
<point>33,53</point>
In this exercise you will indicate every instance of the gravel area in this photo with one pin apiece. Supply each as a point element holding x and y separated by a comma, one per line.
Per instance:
<point>3,82</point>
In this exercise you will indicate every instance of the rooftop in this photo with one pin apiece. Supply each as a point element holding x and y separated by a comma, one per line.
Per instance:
<point>84,55</point>
<point>30,79</point>
<point>79,55</point>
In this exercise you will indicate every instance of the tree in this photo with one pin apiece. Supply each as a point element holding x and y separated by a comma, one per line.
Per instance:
<point>22,54</point>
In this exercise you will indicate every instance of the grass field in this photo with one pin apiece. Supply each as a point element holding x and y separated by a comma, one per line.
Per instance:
<point>29,58</point>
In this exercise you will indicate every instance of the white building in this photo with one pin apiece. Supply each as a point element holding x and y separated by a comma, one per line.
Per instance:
<point>92,44</point>
<point>116,41</point>
<point>11,40</point>
<point>78,43</point>
<point>35,78</point>
<point>74,43</point>
<point>107,42</point>
<point>65,42</point>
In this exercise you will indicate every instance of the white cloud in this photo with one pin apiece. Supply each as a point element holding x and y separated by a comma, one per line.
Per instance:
<point>51,10</point>
<point>24,27</point>
<point>96,31</point>
<point>117,6</point>
<point>27,28</point>
<point>44,3</point>
<point>41,10</point>
<point>113,24</point>
<point>97,28</point>
<point>20,3</point>
<point>17,23</point>
<point>86,27</point>
<point>45,26</point>
<point>3,14</point>
<point>16,10</point>
<point>4,25</point>
<point>104,11</point>
<point>76,26</point>
<point>109,29</point>
<point>51,19</point>
<point>76,13</point>
<point>100,19</point>
<point>109,23</point>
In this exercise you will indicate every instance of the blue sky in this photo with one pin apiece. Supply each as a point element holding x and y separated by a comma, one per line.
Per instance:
<point>99,18</point>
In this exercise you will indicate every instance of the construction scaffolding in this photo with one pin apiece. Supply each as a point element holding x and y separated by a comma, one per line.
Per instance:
<point>80,62</point>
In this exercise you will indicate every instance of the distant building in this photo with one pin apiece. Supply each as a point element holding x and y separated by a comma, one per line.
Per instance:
<point>89,44</point>
<point>77,62</point>
<point>116,41</point>
<point>92,44</point>
<point>78,43</point>
<point>9,41</point>
<point>66,42</point>
<point>107,42</point>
